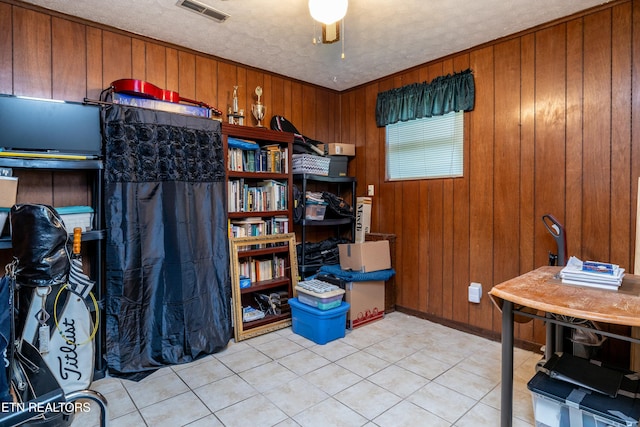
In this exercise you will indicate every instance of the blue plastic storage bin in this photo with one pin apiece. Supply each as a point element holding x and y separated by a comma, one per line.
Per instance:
<point>320,326</point>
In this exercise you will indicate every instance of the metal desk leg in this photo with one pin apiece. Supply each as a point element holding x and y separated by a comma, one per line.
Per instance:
<point>559,338</point>
<point>549,340</point>
<point>506,388</point>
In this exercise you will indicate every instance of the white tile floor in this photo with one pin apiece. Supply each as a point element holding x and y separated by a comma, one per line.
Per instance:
<point>398,371</point>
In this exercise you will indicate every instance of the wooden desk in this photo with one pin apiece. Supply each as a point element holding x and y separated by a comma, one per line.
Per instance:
<point>539,292</point>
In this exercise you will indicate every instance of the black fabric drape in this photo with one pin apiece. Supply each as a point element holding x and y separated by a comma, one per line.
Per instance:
<point>442,95</point>
<point>168,283</point>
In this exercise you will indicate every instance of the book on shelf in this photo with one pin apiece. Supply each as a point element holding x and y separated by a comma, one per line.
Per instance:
<point>262,196</point>
<point>276,193</point>
<point>280,224</point>
<point>234,159</point>
<point>268,158</point>
<point>258,226</point>
<point>263,268</point>
<point>249,161</point>
<point>247,227</point>
<point>235,195</point>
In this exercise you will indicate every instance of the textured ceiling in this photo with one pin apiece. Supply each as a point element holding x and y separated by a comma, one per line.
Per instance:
<point>381,37</point>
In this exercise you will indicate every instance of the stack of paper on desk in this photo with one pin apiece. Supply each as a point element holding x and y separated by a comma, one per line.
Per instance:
<point>592,273</point>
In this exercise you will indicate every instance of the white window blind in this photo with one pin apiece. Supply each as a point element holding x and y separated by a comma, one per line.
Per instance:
<point>430,147</point>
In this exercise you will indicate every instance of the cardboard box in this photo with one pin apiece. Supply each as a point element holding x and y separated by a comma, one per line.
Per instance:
<point>365,257</point>
<point>363,218</point>
<point>366,301</point>
<point>340,149</point>
<point>8,191</point>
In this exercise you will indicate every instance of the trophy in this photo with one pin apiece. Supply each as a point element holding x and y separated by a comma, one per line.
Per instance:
<point>258,109</point>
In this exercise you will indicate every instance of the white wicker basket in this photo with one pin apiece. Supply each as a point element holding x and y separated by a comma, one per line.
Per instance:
<point>309,163</point>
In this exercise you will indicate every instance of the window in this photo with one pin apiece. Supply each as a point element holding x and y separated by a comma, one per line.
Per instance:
<point>430,147</point>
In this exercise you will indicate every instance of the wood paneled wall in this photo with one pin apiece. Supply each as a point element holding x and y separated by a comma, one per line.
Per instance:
<point>551,132</point>
<point>49,55</point>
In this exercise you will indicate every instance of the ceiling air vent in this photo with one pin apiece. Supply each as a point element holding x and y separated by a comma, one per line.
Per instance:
<point>203,9</point>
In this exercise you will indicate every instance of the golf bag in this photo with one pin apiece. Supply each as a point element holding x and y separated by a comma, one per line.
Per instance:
<point>301,144</point>
<point>52,318</point>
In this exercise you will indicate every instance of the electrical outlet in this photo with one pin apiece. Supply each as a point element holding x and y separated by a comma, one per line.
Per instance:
<point>370,190</point>
<point>475,292</point>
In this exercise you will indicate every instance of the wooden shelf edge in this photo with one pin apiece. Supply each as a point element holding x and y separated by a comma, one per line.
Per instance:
<point>263,326</point>
<point>260,134</point>
<point>266,284</point>
<point>263,251</point>
<point>239,215</point>
<point>284,176</point>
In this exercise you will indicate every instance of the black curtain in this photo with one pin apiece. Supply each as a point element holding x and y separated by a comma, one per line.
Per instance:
<point>167,254</point>
<point>442,95</point>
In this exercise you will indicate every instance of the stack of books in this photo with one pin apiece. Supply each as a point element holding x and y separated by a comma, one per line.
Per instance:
<point>592,273</point>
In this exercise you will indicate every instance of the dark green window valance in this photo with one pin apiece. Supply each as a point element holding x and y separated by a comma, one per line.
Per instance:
<point>441,96</point>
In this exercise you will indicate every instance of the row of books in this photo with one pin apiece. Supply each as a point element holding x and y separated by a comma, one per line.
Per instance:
<point>263,269</point>
<point>269,158</point>
<point>263,196</point>
<point>259,226</point>
<point>592,273</point>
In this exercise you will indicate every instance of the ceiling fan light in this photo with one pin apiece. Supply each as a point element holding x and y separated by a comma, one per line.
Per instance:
<point>328,11</point>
